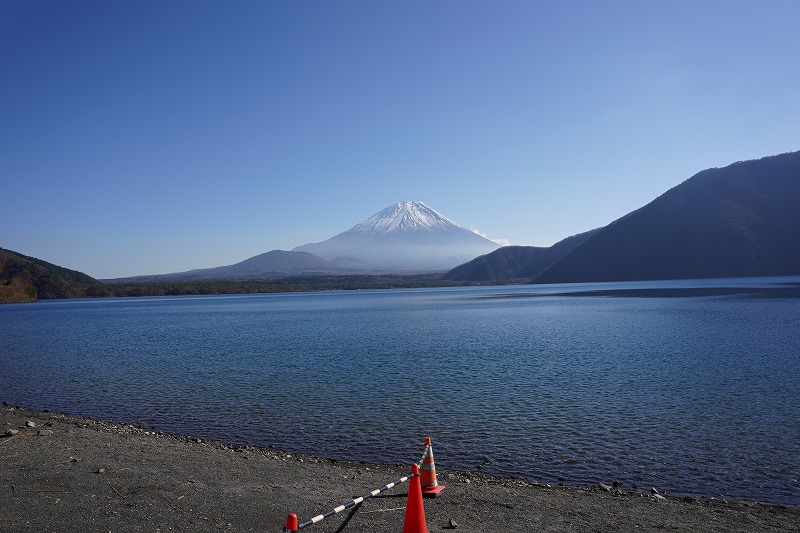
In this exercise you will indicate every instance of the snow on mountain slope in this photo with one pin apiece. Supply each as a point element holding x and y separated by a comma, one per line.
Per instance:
<point>406,236</point>
<point>405,216</point>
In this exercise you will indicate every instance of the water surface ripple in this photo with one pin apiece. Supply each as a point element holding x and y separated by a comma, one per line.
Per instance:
<point>694,393</point>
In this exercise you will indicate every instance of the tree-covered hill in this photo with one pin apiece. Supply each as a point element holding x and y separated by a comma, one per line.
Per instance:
<point>26,279</point>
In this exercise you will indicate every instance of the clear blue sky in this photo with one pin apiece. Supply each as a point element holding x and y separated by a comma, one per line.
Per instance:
<point>154,136</point>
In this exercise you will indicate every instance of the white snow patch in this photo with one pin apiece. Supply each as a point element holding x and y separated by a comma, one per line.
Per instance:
<point>405,215</point>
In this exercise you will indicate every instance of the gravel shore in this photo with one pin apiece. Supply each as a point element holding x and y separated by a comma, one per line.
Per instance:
<point>62,473</point>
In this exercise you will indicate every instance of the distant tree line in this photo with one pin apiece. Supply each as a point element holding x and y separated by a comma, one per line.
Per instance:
<point>291,284</point>
<point>188,288</point>
<point>27,279</point>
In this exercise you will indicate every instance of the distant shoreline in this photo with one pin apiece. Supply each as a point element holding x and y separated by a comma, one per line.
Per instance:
<point>787,290</point>
<point>422,281</point>
<point>282,285</point>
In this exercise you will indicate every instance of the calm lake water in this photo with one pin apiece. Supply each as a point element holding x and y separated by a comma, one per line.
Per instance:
<point>689,386</point>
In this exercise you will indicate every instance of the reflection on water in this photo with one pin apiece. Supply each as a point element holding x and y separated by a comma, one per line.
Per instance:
<point>694,394</point>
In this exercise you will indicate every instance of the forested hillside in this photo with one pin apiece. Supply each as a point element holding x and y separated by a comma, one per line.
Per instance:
<point>27,279</point>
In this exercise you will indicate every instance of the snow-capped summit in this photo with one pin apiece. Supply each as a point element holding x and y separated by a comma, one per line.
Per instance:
<point>405,216</point>
<point>406,236</point>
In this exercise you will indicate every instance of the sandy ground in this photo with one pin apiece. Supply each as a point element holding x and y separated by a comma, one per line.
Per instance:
<point>60,473</point>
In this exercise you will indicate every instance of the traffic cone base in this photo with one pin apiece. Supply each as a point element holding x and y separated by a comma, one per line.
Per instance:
<point>432,492</point>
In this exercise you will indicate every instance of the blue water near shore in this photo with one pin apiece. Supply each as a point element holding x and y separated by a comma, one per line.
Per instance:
<point>689,386</point>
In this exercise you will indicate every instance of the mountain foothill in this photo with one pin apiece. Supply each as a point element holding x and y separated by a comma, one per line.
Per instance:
<point>737,221</point>
<point>26,279</point>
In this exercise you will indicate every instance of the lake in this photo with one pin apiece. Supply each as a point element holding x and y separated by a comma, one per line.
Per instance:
<point>689,386</point>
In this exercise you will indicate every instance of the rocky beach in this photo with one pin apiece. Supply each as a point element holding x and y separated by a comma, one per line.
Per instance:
<point>63,473</point>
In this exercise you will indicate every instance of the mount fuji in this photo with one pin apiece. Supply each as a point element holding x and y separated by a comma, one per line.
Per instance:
<point>404,237</point>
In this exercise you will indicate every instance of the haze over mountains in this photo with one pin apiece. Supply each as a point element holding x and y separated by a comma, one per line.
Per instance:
<point>404,237</point>
<point>737,221</point>
<point>269,265</point>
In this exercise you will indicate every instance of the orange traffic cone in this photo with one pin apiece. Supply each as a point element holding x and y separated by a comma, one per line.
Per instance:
<point>415,510</point>
<point>291,523</point>
<point>430,487</point>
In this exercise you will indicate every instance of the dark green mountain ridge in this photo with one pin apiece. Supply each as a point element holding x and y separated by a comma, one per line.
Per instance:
<point>26,279</point>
